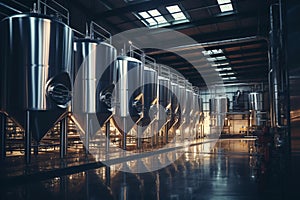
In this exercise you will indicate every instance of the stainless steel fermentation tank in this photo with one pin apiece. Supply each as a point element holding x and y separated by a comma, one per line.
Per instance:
<point>189,121</point>
<point>94,83</point>
<point>150,97</point>
<point>128,94</point>
<point>199,116</point>
<point>181,96</point>
<point>35,74</point>
<point>164,101</point>
<point>218,109</point>
<point>146,126</point>
<point>175,112</point>
<point>256,109</point>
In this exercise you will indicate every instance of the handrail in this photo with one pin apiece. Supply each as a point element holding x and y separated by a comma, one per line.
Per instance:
<point>10,8</point>
<point>93,31</point>
<point>46,6</point>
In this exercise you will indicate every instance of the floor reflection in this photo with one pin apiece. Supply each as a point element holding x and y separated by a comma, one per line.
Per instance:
<point>230,170</point>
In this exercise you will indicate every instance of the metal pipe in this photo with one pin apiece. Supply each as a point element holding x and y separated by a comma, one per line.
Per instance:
<point>63,137</point>
<point>10,8</point>
<point>107,133</point>
<point>87,134</point>
<point>139,136</point>
<point>124,134</point>
<point>39,6</point>
<point>27,138</point>
<point>107,176</point>
<point>220,42</point>
<point>167,134</point>
<point>3,136</point>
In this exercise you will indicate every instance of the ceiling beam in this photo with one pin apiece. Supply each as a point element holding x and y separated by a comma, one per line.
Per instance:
<point>135,6</point>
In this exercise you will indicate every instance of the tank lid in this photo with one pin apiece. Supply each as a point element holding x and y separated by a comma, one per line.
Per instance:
<point>35,15</point>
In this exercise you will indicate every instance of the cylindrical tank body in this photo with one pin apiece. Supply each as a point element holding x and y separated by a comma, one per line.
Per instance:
<point>174,105</point>
<point>196,108</point>
<point>35,73</point>
<point>218,109</point>
<point>256,101</point>
<point>128,92</point>
<point>150,97</point>
<point>164,101</point>
<point>181,96</point>
<point>256,108</point>
<point>94,60</point>
<point>189,108</point>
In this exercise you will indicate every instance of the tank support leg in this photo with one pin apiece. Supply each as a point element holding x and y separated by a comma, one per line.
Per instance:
<point>27,138</point>
<point>124,134</point>
<point>139,136</point>
<point>3,136</point>
<point>63,137</point>
<point>87,135</point>
<point>167,134</point>
<point>107,134</point>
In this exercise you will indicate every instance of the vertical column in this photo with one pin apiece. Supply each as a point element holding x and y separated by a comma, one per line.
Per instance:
<point>167,134</point>
<point>27,138</point>
<point>63,137</point>
<point>124,134</point>
<point>3,136</point>
<point>107,176</point>
<point>139,136</point>
<point>107,134</point>
<point>87,135</point>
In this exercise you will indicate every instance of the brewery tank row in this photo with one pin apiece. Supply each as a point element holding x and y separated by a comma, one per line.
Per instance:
<point>54,75</point>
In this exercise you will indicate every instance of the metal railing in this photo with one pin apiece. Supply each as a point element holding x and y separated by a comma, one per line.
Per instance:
<point>43,6</point>
<point>93,31</point>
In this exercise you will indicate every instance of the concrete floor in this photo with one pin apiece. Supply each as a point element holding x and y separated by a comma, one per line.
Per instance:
<point>234,169</point>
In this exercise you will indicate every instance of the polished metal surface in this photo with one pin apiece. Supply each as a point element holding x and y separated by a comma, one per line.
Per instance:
<point>128,93</point>
<point>218,109</point>
<point>189,107</point>
<point>174,105</point>
<point>150,97</point>
<point>256,101</point>
<point>94,75</point>
<point>164,101</point>
<point>181,96</point>
<point>36,64</point>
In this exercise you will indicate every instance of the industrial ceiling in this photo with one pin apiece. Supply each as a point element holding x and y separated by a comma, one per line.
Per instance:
<point>233,30</point>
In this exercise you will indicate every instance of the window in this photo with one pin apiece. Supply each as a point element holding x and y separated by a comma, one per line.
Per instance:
<point>176,13</point>
<point>212,52</point>
<point>154,18</point>
<point>225,5</point>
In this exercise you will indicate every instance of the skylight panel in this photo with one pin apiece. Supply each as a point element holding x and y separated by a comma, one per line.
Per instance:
<point>212,59</point>
<point>151,21</point>
<point>223,69</point>
<point>178,16</point>
<point>226,7</point>
<point>154,13</point>
<point>220,64</point>
<point>223,1</point>
<point>160,20</point>
<point>154,18</point>
<point>173,9</point>
<point>229,78</point>
<point>227,74</point>
<point>144,15</point>
<point>212,52</point>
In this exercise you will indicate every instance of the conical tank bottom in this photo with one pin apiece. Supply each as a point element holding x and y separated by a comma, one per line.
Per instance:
<point>125,124</point>
<point>40,121</point>
<point>87,122</point>
<point>172,122</point>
